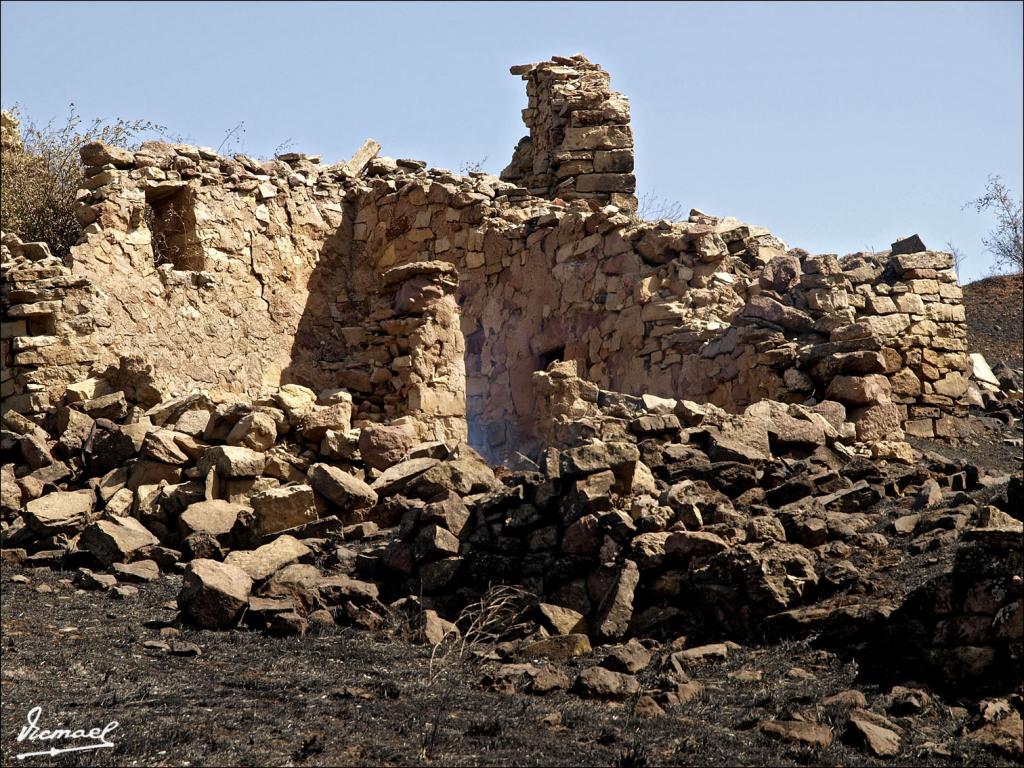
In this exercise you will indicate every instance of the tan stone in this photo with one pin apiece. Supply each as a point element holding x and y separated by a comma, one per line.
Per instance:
<point>214,594</point>
<point>262,562</point>
<point>59,512</point>
<point>278,509</point>
<point>116,540</point>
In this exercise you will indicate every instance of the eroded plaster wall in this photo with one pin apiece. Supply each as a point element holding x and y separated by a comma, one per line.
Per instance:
<point>217,270</point>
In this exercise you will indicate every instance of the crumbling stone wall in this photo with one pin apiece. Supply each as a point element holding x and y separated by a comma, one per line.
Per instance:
<point>232,275</point>
<point>710,309</point>
<point>965,626</point>
<point>205,265</point>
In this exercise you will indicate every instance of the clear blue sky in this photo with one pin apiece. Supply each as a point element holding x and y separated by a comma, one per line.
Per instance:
<point>837,126</point>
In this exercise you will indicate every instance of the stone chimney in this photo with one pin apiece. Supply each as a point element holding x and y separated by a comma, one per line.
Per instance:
<point>580,144</point>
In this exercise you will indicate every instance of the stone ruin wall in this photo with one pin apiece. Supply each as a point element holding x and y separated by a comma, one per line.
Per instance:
<point>200,266</point>
<point>272,273</point>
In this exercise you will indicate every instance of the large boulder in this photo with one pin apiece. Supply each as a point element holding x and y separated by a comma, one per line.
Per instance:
<point>878,422</point>
<point>789,427</point>
<point>264,561</point>
<point>59,512</point>
<point>396,477</point>
<point>296,401</point>
<point>233,461</point>
<point>96,154</point>
<point>111,445</point>
<point>382,446</point>
<point>617,606</point>
<point>278,509</point>
<point>340,488</point>
<point>602,683</point>
<point>215,518</point>
<point>465,476</point>
<point>161,446</point>
<point>256,431</point>
<point>768,310</point>
<point>321,418</point>
<point>35,449</point>
<point>75,428</point>
<point>740,439</point>
<point>860,390</point>
<point>214,594</point>
<point>687,544</point>
<point>10,491</point>
<point>598,457</point>
<point>116,539</point>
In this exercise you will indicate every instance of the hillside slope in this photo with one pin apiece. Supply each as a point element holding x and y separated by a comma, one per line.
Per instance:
<point>995,318</point>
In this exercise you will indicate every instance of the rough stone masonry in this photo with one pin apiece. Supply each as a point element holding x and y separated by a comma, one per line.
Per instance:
<point>436,296</point>
<point>259,380</point>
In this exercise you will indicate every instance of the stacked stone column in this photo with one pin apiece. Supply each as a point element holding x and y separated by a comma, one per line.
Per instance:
<point>411,351</point>
<point>47,339</point>
<point>580,144</point>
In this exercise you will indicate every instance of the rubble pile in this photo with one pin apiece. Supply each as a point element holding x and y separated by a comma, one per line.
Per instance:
<point>644,518</point>
<point>374,392</point>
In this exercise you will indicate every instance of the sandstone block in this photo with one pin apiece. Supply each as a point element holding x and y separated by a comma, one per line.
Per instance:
<point>558,647</point>
<point>606,182</point>
<point>141,571</point>
<point>233,461</point>
<point>339,487</point>
<point>685,544</point>
<point>256,431</point>
<point>296,401</point>
<point>278,509</point>
<point>214,594</point>
<point>860,390</point>
<point>564,621</point>
<point>382,446</point>
<point>97,153</point>
<point>317,421</point>
<point>601,683</point>
<point>878,422</point>
<point>812,734</point>
<point>613,161</point>
<point>264,561</point>
<point>59,512</point>
<point>617,605</point>
<point>215,517</point>
<point>598,137</point>
<point>912,244</point>
<point>116,540</point>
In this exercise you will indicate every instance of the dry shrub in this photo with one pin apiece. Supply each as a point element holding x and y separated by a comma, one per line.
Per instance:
<point>652,207</point>
<point>42,172</point>
<point>501,613</point>
<point>1005,241</point>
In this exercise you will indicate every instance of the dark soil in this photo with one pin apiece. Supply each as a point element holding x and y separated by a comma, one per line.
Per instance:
<point>348,697</point>
<point>995,318</point>
<point>984,441</point>
<point>344,696</point>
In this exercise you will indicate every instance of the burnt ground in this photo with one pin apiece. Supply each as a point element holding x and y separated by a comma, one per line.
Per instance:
<point>989,444</point>
<point>348,697</point>
<point>995,318</point>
